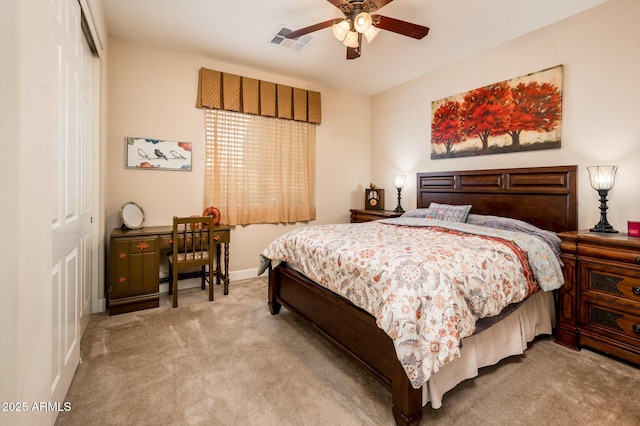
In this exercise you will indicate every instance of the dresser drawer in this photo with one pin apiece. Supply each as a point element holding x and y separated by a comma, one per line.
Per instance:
<point>611,280</point>
<point>618,254</point>
<point>612,320</point>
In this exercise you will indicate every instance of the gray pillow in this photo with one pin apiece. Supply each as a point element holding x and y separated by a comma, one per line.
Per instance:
<point>448,212</point>
<point>415,213</point>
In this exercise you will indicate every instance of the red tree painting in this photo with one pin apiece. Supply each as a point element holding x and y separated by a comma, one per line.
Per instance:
<point>446,125</point>
<point>520,114</point>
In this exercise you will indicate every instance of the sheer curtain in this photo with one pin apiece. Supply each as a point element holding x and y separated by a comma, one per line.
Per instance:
<point>259,169</point>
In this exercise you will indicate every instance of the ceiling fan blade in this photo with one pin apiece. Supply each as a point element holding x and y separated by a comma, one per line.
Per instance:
<point>374,4</point>
<point>400,27</point>
<point>310,29</point>
<point>354,52</point>
<point>380,3</point>
<point>337,3</point>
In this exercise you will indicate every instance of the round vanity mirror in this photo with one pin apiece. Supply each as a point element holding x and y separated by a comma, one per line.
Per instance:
<point>132,215</point>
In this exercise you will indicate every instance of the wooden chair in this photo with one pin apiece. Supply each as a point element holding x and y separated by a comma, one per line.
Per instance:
<point>192,245</point>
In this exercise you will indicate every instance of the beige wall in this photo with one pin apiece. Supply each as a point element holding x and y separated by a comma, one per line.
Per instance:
<point>25,166</point>
<point>152,93</point>
<point>600,51</point>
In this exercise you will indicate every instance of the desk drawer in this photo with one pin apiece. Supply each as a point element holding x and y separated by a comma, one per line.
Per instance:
<point>147,245</point>
<point>222,237</point>
<point>165,241</point>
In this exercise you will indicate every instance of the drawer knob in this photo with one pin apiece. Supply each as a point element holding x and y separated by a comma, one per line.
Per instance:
<point>638,259</point>
<point>636,328</point>
<point>636,291</point>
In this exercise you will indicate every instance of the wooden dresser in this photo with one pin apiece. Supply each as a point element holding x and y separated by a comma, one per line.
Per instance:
<point>362,215</point>
<point>599,304</point>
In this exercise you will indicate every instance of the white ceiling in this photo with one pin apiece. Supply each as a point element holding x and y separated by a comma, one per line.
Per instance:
<point>239,32</point>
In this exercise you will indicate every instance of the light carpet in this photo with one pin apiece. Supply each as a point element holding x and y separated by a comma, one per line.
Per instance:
<point>230,362</point>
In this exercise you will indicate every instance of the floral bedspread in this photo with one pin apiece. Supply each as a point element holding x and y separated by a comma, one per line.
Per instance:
<point>425,281</point>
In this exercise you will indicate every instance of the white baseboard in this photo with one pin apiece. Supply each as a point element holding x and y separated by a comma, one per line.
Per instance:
<point>245,274</point>
<point>195,282</point>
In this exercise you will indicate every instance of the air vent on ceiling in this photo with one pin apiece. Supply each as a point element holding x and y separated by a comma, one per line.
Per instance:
<point>295,44</point>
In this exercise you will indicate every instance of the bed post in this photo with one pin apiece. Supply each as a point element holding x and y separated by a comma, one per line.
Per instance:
<point>566,333</point>
<point>274,305</point>
<point>407,401</point>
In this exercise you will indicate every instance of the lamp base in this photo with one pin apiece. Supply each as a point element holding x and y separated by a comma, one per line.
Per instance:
<point>606,228</point>
<point>399,209</point>
<point>603,225</point>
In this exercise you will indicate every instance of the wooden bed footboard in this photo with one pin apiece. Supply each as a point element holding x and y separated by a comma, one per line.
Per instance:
<point>361,340</point>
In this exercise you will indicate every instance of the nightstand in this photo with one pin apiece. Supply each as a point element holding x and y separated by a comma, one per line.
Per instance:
<point>361,215</point>
<point>599,304</point>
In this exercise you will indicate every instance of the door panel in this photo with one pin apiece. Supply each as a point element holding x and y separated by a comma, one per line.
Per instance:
<point>71,185</point>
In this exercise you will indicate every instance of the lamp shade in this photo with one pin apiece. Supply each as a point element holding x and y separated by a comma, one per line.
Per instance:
<point>362,22</point>
<point>351,40</point>
<point>602,177</point>
<point>371,33</point>
<point>341,29</point>
<point>398,181</point>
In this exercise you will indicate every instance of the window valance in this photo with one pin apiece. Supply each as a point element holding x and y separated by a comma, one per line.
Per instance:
<point>219,90</point>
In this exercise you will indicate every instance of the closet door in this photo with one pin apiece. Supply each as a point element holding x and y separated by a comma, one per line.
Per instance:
<point>71,189</point>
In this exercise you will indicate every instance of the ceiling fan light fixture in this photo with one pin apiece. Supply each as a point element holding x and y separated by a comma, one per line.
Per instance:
<point>371,33</point>
<point>362,22</point>
<point>341,29</point>
<point>351,40</point>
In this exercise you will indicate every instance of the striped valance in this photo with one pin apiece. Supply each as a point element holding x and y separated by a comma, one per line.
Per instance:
<point>220,90</point>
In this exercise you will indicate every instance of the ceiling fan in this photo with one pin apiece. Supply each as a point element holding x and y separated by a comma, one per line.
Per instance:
<point>359,21</point>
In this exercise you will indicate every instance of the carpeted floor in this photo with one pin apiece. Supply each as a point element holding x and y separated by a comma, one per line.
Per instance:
<point>229,362</point>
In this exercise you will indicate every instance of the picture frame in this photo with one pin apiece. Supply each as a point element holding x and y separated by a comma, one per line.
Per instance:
<point>515,115</point>
<point>157,154</point>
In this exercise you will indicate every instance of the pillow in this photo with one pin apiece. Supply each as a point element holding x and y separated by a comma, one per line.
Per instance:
<point>415,213</point>
<point>509,224</point>
<point>448,212</point>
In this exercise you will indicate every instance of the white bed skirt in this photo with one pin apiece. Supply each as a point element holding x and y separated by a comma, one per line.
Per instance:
<point>505,338</point>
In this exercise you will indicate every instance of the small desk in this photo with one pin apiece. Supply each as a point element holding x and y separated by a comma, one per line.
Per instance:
<point>134,266</point>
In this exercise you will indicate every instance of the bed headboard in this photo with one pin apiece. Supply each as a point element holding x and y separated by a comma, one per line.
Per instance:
<point>543,196</point>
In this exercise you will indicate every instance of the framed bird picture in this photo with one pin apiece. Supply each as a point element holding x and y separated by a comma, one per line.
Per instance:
<point>157,154</point>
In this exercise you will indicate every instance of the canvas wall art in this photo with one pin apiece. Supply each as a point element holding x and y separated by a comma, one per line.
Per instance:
<point>156,154</point>
<point>521,114</point>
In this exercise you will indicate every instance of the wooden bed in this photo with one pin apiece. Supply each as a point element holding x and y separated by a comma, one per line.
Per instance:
<point>543,196</point>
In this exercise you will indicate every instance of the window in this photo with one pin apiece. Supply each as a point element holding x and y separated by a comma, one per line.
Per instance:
<point>259,169</point>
